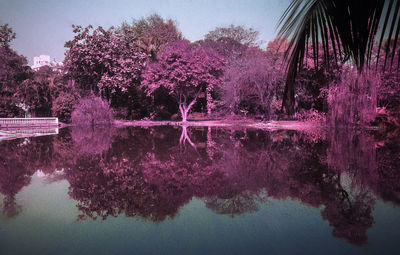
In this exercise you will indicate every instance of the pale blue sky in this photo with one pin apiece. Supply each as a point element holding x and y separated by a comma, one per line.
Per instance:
<point>43,26</point>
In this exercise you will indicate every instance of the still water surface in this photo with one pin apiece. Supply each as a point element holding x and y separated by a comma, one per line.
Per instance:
<point>167,190</point>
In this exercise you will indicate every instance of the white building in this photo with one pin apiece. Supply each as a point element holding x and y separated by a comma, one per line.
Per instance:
<point>44,60</point>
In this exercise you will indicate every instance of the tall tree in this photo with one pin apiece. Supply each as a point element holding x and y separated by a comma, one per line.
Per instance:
<point>101,61</point>
<point>227,47</point>
<point>249,82</point>
<point>185,71</point>
<point>245,36</point>
<point>350,26</point>
<point>13,70</point>
<point>35,92</point>
<point>105,63</point>
<point>151,34</point>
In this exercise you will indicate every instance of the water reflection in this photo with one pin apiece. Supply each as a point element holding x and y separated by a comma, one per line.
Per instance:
<point>19,160</point>
<point>92,140</point>
<point>152,172</point>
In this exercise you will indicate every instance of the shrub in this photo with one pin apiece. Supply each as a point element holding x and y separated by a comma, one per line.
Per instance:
<point>311,115</point>
<point>92,111</point>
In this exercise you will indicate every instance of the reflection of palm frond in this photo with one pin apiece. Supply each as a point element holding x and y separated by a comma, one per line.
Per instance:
<point>345,27</point>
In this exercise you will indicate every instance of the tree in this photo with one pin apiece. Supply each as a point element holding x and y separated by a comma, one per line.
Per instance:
<point>6,35</point>
<point>276,50</point>
<point>151,34</point>
<point>245,36</point>
<point>35,92</point>
<point>13,71</point>
<point>389,90</point>
<point>249,83</point>
<point>185,71</point>
<point>349,26</point>
<point>227,47</point>
<point>64,96</point>
<point>103,62</point>
<point>231,50</point>
<point>63,106</point>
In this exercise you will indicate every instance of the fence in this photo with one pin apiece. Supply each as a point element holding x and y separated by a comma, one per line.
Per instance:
<point>28,122</point>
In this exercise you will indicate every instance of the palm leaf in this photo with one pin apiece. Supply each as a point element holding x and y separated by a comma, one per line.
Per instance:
<point>343,27</point>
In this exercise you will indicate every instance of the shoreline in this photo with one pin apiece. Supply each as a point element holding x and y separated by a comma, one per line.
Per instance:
<point>271,125</point>
<point>246,123</point>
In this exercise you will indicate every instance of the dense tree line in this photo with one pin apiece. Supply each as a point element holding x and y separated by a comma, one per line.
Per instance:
<point>146,69</point>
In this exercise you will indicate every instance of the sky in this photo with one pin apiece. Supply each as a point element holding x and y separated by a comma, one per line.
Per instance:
<point>43,26</point>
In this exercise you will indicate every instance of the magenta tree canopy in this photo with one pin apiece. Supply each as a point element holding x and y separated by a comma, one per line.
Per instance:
<point>185,71</point>
<point>102,61</point>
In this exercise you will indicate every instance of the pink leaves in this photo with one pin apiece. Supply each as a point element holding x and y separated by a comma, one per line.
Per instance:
<point>104,60</point>
<point>249,82</point>
<point>181,67</point>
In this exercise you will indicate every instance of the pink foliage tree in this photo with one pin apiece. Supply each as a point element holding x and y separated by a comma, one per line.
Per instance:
<point>249,82</point>
<point>185,71</point>
<point>102,61</point>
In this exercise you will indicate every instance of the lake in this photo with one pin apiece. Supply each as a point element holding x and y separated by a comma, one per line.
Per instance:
<point>200,190</point>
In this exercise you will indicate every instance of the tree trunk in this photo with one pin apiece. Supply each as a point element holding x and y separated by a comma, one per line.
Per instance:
<point>288,98</point>
<point>185,109</point>
<point>184,112</point>
<point>209,102</point>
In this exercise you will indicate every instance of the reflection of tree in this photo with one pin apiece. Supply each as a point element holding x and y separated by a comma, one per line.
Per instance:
<point>185,137</point>
<point>152,186</point>
<point>143,172</point>
<point>176,180</point>
<point>155,178</point>
<point>351,151</point>
<point>108,187</point>
<point>236,205</point>
<point>294,167</point>
<point>347,208</point>
<point>19,160</point>
<point>14,175</point>
<point>350,219</point>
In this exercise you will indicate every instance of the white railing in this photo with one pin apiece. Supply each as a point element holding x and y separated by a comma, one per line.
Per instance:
<point>28,122</point>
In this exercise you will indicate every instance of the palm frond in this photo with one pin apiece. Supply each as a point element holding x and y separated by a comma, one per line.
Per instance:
<point>342,27</point>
